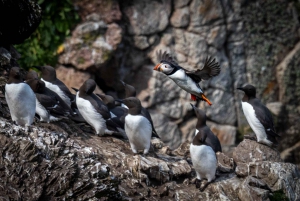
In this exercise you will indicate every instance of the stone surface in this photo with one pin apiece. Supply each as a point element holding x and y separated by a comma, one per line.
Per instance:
<point>251,151</point>
<point>259,48</point>
<point>15,29</point>
<point>147,17</point>
<point>74,78</point>
<point>180,17</point>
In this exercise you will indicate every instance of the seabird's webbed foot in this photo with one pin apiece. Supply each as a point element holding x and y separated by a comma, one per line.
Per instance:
<point>204,185</point>
<point>198,183</point>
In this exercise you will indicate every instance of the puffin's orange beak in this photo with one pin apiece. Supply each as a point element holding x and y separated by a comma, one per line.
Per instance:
<point>157,67</point>
<point>206,99</point>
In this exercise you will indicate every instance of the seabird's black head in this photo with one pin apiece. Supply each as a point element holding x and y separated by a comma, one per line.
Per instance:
<point>134,105</point>
<point>31,75</point>
<point>48,72</point>
<point>87,87</point>
<point>129,90</point>
<point>14,75</point>
<point>250,91</point>
<point>201,116</point>
<point>37,86</point>
<point>107,100</point>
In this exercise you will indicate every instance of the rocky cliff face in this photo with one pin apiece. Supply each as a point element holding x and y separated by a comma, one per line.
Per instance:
<point>67,161</point>
<point>255,42</point>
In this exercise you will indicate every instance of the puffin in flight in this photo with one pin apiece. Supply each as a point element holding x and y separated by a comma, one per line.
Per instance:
<point>188,80</point>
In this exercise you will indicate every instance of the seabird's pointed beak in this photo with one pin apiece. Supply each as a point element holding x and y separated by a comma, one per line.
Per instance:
<point>119,100</point>
<point>240,88</point>
<point>157,67</point>
<point>75,89</point>
<point>206,99</point>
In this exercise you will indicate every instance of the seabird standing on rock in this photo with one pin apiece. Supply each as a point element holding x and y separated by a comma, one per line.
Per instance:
<point>54,84</point>
<point>188,80</point>
<point>137,127</point>
<point>20,99</point>
<point>49,106</point>
<point>131,92</point>
<point>92,109</point>
<point>203,151</point>
<point>258,116</point>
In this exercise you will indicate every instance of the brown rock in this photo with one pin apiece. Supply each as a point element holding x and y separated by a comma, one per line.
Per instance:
<point>225,164</point>
<point>113,35</point>
<point>251,151</point>
<point>225,133</point>
<point>109,11</point>
<point>141,42</point>
<point>74,78</point>
<point>181,3</point>
<point>180,17</point>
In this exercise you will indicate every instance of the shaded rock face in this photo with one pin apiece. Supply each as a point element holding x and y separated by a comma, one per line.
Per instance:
<point>118,40</point>
<point>18,20</point>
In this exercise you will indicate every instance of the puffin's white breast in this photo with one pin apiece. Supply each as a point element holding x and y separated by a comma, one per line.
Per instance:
<point>253,121</point>
<point>185,82</point>
<point>59,92</point>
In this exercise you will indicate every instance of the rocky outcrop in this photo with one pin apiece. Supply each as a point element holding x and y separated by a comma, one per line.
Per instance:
<point>261,50</point>
<point>65,160</point>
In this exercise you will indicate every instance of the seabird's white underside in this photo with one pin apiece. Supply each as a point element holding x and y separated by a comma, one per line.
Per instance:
<point>204,161</point>
<point>59,92</point>
<point>21,103</point>
<point>138,130</point>
<point>90,114</point>
<point>255,124</point>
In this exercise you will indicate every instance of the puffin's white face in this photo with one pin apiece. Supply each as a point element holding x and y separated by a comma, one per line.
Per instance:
<point>165,68</point>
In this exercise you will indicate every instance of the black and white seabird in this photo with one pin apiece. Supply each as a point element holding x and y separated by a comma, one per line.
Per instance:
<point>48,75</point>
<point>49,106</point>
<point>31,75</point>
<point>203,150</point>
<point>92,109</point>
<point>258,116</point>
<point>137,127</point>
<point>188,80</point>
<point>116,111</point>
<point>131,92</point>
<point>20,99</point>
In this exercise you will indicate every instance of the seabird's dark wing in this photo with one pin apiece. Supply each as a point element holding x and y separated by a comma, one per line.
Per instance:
<point>210,69</point>
<point>165,57</point>
<point>146,114</point>
<point>120,112</point>
<point>212,140</point>
<point>65,89</point>
<point>51,104</point>
<point>99,106</point>
<point>62,103</point>
<point>264,115</point>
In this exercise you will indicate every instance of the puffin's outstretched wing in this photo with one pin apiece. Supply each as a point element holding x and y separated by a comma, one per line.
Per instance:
<point>210,69</point>
<point>165,57</point>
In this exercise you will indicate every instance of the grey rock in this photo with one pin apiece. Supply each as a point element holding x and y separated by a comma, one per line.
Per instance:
<point>141,42</point>
<point>225,164</point>
<point>5,56</point>
<point>251,151</point>
<point>275,107</point>
<point>181,3</point>
<point>148,17</point>
<point>180,17</point>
